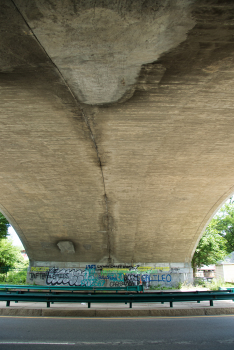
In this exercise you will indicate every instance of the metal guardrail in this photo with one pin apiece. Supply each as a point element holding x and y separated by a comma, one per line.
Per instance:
<point>9,287</point>
<point>222,289</point>
<point>161,297</point>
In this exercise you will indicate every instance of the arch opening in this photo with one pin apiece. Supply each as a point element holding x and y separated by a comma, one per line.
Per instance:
<point>215,248</point>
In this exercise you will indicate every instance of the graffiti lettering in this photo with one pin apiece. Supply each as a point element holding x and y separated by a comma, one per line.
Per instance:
<point>114,276</point>
<point>71,277</point>
<point>41,275</point>
<point>119,284</point>
<point>132,279</point>
<point>164,278</point>
<point>39,269</point>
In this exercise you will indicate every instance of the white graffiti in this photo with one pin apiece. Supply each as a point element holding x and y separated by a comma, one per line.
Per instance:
<point>71,277</point>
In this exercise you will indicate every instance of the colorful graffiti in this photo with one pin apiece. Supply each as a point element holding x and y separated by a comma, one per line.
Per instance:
<point>72,277</point>
<point>104,276</point>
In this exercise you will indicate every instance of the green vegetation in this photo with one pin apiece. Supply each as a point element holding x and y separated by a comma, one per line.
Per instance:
<point>160,287</point>
<point>10,255</point>
<point>4,224</point>
<point>218,239</point>
<point>211,248</point>
<point>13,267</point>
<point>223,223</point>
<point>215,284</point>
<point>14,276</point>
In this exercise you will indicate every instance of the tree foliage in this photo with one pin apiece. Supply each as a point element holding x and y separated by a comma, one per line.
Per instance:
<point>4,224</point>
<point>218,239</point>
<point>211,249</point>
<point>223,222</point>
<point>9,254</point>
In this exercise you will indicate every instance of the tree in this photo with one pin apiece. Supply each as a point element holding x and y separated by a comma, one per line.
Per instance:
<point>9,254</point>
<point>4,224</point>
<point>211,248</point>
<point>223,223</point>
<point>218,239</point>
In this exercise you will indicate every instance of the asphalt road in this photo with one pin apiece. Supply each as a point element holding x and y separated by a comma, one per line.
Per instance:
<point>207,332</point>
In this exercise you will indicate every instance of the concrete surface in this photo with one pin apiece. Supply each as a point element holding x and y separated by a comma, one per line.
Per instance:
<point>117,310</point>
<point>129,182</point>
<point>99,50</point>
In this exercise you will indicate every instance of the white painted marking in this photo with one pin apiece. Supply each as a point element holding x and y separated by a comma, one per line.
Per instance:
<point>33,343</point>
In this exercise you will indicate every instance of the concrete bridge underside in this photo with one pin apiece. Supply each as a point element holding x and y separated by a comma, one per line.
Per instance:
<point>116,126</point>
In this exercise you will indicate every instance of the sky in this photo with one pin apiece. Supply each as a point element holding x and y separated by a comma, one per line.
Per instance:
<point>13,235</point>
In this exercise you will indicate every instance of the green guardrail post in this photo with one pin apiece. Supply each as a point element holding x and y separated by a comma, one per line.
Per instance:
<point>48,303</point>
<point>8,303</point>
<point>211,303</point>
<point>130,305</point>
<point>89,304</point>
<point>171,303</point>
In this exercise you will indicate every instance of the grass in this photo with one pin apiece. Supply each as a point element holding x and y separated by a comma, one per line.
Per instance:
<point>230,285</point>
<point>14,277</point>
<point>160,287</point>
<point>215,284</point>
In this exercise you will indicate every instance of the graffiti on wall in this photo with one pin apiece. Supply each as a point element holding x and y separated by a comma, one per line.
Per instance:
<point>107,276</point>
<point>73,277</point>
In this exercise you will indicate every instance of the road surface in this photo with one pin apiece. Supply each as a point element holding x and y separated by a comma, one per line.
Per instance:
<point>207,332</point>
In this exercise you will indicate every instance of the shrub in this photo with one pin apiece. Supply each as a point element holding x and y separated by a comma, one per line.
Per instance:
<point>216,284</point>
<point>17,276</point>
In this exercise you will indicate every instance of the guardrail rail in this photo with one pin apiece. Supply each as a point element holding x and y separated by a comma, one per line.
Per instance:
<point>17,293</point>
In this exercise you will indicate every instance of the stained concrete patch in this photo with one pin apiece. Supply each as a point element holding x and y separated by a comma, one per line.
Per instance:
<point>115,313</point>
<point>178,312</point>
<point>219,311</point>
<point>21,312</point>
<point>100,47</point>
<point>66,247</point>
<point>122,313</point>
<point>68,313</point>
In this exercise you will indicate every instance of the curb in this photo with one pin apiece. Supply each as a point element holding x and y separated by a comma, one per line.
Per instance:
<point>115,313</point>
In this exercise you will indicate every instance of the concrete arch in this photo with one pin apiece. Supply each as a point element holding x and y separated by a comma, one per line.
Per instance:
<point>130,173</point>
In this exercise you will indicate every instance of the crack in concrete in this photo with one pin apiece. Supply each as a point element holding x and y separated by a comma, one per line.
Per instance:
<point>85,118</point>
<point>103,180</point>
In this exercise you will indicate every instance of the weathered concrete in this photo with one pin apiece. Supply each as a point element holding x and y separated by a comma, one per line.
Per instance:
<point>117,310</point>
<point>99,47</point>
<point>134,181</point>
<point>66,247</point>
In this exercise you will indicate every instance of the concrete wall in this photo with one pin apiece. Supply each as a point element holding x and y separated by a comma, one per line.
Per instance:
<point>219,274</point>
<point>228,270</point>
<point>112,276</point>
<point>225,272</point>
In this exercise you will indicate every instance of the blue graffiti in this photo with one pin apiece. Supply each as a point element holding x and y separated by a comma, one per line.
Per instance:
<point>90,267</point>
<point>164,278</point>
<point>112,277</point>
